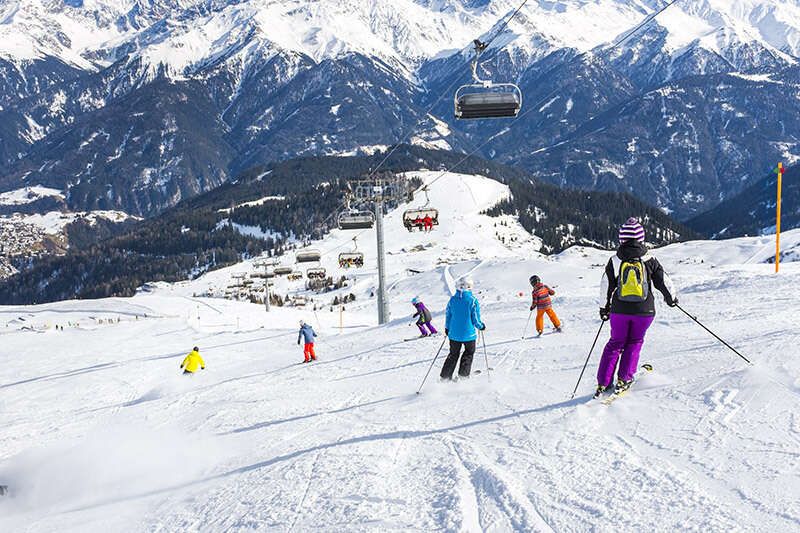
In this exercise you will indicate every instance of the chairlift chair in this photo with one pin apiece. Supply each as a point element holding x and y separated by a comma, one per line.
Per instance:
<point>308,256</point>
<point>316,273</point>
<point>351,259</point>
<point>356,220</point>
<point>294,276</point>
<point>484,98</point>
<point>414,218</point>
<point>283,270</point>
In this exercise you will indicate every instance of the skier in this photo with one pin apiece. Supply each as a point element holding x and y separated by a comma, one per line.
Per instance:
<point>307,333</point>
<point>428,223</point>
<point>423,316</point>
<point>541,302</point>
<point>463,317</point>
<point>193,361</point>
<point>629,303</point>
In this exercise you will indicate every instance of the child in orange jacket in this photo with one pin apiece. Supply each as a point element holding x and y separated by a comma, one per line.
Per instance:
<point>541,302</point>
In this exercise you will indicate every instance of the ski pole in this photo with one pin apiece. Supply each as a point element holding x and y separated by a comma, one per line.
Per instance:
<point>431,367</point>
<point>486,356</point>
<point>528,323</point>
<point>587,360</point>
<point>714,334</point>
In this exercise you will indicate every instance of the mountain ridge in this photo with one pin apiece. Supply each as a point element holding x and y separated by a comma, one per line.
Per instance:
<point>269,80</point>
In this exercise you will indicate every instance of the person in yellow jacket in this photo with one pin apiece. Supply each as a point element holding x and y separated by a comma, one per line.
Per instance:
<point>193,361</point>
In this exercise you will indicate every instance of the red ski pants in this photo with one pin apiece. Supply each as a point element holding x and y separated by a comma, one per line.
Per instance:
<point>308,352</point>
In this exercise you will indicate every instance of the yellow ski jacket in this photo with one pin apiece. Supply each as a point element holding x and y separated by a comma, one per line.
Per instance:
<point>192,362</point>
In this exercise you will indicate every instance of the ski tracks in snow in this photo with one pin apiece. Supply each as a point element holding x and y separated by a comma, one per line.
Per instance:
<point>491,500</point>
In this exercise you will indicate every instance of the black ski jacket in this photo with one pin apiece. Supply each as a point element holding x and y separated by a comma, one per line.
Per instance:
<point>655,277</point>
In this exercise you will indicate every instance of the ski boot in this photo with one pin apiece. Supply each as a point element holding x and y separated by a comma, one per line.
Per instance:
<point>622,386</point>
<point>558,329</point>
<point>599,391</point>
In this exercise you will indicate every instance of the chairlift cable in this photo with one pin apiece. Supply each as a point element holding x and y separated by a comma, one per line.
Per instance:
<point>618,43</point>
<point>446,91</point>
<point>641,24</point>
<point>555,91</point>
<point>505,24</point>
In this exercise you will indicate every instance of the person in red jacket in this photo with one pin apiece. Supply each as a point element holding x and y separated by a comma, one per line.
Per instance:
<point>428,223</point>
<point>541,302</point>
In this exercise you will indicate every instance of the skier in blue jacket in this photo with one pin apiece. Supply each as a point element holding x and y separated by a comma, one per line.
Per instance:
<point>462,320</point>
<point>308,335</point>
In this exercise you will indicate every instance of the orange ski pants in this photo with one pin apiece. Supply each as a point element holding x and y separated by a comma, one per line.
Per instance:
<point>550,314</point>
<point>308,352</point>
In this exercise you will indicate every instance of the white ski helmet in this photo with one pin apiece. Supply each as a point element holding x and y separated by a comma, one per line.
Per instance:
<point>302,323</point>
<point>464,284</point>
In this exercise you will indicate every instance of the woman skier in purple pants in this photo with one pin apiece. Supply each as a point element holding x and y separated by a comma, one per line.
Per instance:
<point>627,289</point>
<point>423,317</point>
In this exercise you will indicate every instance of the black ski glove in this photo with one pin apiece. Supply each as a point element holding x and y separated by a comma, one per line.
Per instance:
<point>483,327</point>
<point>673,302</point>
<point>532,308</point>
<point>298,343</point>
<point>446,331</point>
<point>604,312</point>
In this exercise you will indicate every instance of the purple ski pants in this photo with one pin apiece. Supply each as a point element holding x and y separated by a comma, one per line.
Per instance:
<point>421,326</point>
<point>627,337</point>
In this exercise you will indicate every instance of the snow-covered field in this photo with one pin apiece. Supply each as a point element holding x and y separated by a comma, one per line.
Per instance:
<point>99,431</point>
<point>27,195</point>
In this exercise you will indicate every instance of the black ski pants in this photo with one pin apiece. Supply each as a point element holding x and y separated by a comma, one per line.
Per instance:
<point>452,359</point>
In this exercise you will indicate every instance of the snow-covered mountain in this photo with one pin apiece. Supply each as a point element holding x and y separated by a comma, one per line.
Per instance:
<point>99,431</point>
<point>136,104</point>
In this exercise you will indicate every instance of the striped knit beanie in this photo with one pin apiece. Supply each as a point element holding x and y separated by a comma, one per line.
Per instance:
<point>631,230</point>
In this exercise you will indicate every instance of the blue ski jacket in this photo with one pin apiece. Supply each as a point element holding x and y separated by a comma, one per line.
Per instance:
<point>463,317</point>
<point>307,333</point>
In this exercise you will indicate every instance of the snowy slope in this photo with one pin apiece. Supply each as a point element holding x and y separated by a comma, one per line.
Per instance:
<point>100,432</point>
